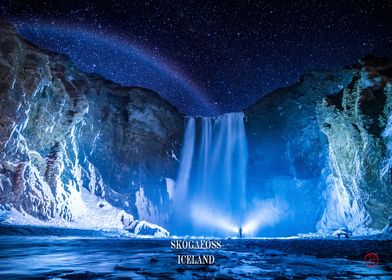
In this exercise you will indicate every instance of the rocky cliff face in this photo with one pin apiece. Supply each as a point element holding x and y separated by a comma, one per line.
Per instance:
<point>327,134</point>
<point>70,141</point>
<point>64,132</point>
<point>356,122</point>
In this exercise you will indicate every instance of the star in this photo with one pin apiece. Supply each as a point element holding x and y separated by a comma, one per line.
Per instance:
<point>212,57</point>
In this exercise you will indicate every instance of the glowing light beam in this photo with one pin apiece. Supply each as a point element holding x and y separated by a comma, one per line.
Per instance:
<point>267,213</point>
<point>203,216</point>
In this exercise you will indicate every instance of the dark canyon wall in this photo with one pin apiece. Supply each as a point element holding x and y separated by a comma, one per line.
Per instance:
<point>325,141</point>
<point>63,131</point>
<point>320,148</point>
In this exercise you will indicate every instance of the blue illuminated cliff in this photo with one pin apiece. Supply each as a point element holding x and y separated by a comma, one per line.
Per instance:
<point>73,143</point>
<point>77,150</point>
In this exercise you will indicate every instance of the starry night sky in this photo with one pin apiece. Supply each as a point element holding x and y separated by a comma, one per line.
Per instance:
<point>207,57</point>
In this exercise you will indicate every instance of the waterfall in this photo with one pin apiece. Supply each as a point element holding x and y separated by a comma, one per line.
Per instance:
<point>211,196</point>
<point>186,163</point>
<point>211,181</point>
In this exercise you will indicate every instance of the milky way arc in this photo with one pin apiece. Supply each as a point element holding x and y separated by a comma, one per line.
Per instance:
<point>121,61</point>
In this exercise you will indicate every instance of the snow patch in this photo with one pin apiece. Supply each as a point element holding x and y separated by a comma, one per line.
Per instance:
<point>387,231</point>
<point>93,213</point>
<point>144,228</point>
<point>145,209</point>
<point>173,155</point>
<point>170,187</point>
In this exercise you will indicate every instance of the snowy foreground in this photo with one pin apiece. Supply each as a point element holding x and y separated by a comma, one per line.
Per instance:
<point>51,257</point>
<point>94,216</point>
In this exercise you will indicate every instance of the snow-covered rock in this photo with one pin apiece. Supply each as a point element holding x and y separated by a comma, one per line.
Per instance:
<point>65,133</point>
<point>92,213</point>
<point>342,232</point>
<point>387,231</point>
<point>143,228</point>
<point>324,144</point>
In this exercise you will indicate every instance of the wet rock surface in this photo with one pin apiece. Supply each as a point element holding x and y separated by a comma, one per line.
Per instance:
<point>64,131</point>
<point>288,153</point>
<point>325,143</point>
<point>357,123</point>
<point>86,258</point>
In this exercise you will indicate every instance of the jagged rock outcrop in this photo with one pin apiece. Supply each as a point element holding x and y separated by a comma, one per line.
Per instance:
<point>64,132</point>
<point>327,134</point>
<point>357,123</point>
<point>147,229</point>
<point>321,148</point>
<point>387,231</point>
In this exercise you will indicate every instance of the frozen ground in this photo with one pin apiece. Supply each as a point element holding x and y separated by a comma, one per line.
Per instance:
<point>92,213</point>
<point>50,257</point>
<point>94,216</point>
